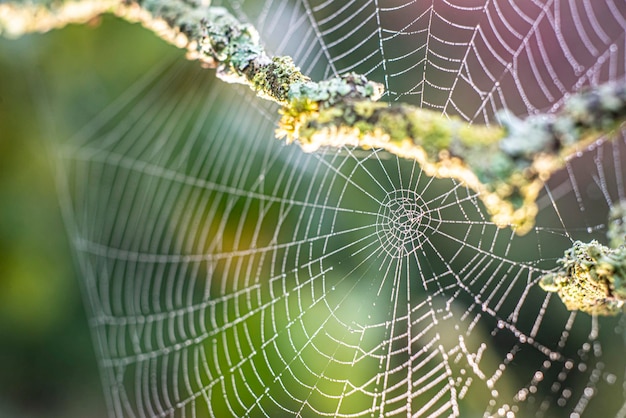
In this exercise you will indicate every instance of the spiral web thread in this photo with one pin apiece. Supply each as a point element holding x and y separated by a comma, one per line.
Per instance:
<point>227,274</point>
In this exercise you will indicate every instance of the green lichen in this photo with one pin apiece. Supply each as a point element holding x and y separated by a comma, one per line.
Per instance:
<point>350,86</point>
<point>527,138</point>
<point>185,15</point>
<point>433,132</point>
<point>395,125</point>
<point>276,79</point>
<point>592,279</point>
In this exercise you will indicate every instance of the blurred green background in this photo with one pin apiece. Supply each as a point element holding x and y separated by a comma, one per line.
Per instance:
<point>50,86</point>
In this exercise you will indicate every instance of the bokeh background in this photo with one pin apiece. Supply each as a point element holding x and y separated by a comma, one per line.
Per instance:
<point>50,85</point>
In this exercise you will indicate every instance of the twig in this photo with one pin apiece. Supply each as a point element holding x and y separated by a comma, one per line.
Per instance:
<point>592,277</point>
<point>506,166</point>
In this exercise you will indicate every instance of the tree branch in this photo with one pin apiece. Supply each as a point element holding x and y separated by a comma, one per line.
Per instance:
<point>592,277</point>
<point>506,166</point>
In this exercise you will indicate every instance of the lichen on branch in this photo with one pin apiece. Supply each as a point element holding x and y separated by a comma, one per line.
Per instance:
<point>505,165</point>
<point>592,277</point>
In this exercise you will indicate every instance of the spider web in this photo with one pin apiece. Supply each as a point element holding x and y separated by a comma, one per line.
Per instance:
<point>227,274</point>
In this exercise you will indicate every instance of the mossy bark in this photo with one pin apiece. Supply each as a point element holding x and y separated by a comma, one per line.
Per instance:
<point>506,166</point>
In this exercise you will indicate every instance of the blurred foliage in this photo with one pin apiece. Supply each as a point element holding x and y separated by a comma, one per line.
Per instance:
<point>51,85</point>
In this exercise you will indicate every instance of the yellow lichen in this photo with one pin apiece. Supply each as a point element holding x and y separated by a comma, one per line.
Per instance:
<point>592,279</point>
